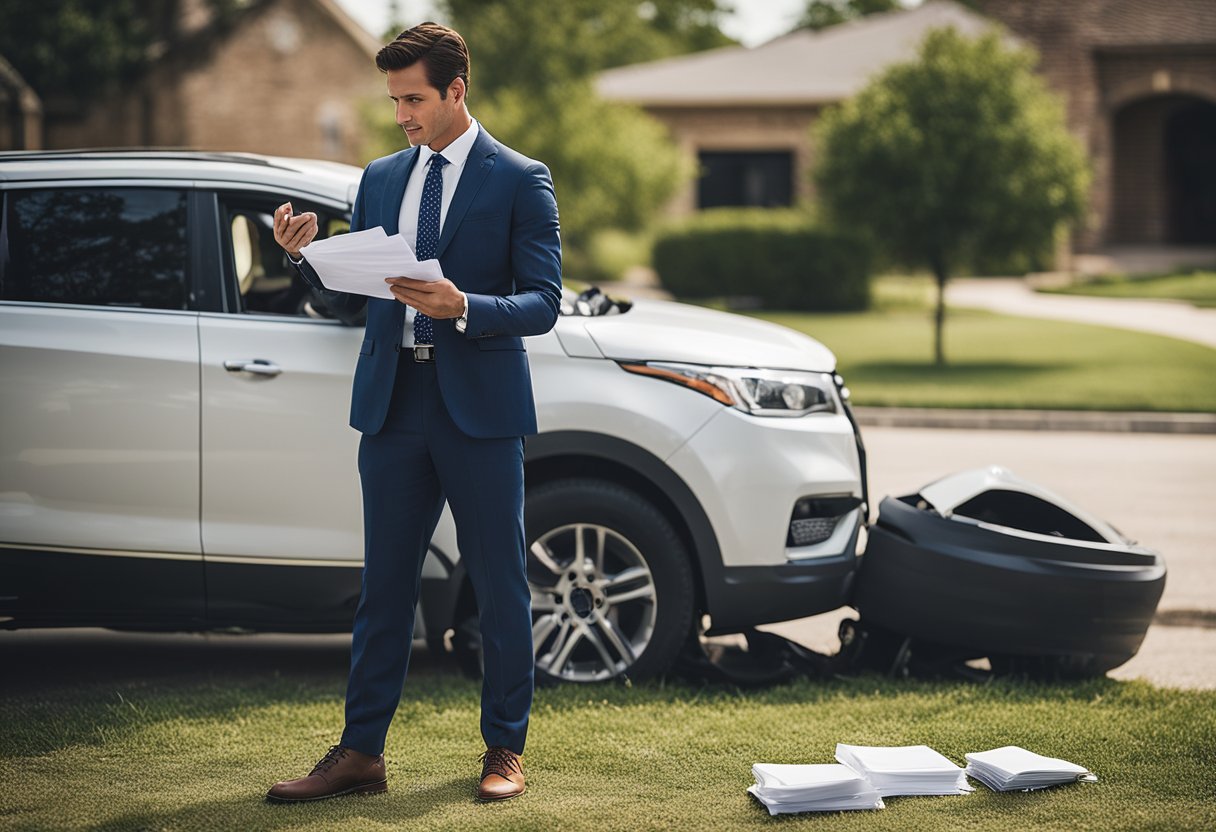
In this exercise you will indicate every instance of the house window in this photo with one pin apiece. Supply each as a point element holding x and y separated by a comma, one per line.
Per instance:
<point>758,179</point>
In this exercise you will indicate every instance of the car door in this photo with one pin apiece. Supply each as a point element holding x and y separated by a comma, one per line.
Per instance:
<point>281,512</point>
<point>99,460</point>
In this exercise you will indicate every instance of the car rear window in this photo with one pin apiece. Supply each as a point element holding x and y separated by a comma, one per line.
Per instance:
<point>95,246</point>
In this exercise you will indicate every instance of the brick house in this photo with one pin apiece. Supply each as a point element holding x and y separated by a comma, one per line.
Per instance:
<point>1138,76</point>
<point>286,77</point>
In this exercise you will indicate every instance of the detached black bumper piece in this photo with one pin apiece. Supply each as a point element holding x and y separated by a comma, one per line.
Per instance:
<point>991,573</point>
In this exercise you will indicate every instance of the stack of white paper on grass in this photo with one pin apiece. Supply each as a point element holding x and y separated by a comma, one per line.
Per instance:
<point>811,788</point>
<point>1010,768</point>
<point>908,769</point>
<point>360,261</point>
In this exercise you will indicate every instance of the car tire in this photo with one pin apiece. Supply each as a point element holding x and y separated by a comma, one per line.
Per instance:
<point>630,608</point>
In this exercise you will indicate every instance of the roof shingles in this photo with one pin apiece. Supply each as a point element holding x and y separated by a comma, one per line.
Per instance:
<point>803,67</point>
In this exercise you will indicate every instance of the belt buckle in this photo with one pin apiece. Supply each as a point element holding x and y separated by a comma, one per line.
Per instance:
<point>424,353</point>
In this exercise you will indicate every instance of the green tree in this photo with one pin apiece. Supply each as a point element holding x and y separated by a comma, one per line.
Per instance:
<point>531,83</point>
<point>613,166</point>
<point>73,50</point>
<point>820,14</point>
<point>532,44</point>
<point>960,154</point>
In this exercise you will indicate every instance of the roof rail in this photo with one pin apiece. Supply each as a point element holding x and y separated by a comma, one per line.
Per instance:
<point>168,153</point>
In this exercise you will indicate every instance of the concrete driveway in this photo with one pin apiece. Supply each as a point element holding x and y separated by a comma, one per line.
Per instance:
<point>1014,296</point>
<point>1155,488</point>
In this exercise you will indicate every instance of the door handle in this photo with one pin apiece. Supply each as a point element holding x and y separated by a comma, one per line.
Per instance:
<point>257,366</point>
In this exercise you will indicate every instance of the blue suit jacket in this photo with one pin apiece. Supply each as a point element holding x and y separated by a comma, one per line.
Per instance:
<point>500,245</point>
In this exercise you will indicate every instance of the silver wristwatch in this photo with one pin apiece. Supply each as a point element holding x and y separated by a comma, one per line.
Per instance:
<point>462,322</point>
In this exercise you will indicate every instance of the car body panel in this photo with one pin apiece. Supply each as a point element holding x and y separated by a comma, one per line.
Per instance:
<point>100,415</point>
<point>949,492</point>
<point>750,497</point>
<point>575,339</point>
<point>279,475</point>
<point>655,330</point>
<point>600,397</point>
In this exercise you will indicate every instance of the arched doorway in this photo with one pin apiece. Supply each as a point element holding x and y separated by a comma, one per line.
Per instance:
<point>1190,158</point>
<point>1164,171</point>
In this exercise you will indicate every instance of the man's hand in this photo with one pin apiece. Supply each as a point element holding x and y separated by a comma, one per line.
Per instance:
<point>439,299</point>
<point>293,233</point>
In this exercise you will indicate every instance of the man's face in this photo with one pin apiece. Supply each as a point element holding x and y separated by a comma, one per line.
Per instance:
<point>421,113</point>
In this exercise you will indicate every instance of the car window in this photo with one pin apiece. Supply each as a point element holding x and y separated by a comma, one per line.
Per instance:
<point>97,246</point>
<point>266,282</point>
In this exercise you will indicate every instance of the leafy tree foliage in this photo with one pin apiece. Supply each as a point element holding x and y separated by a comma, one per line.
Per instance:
<point>959,155</point>
<point>533,44</point>
<point>820,14</point>
<point>613,166</point>
<point>531,84</point>
<point>74,49</point>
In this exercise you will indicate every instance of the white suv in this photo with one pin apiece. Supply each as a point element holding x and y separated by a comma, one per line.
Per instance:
<point>174,451</point>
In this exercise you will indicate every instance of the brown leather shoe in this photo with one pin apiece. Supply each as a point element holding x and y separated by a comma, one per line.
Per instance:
<point>341,771</point>
<point>502,774</point>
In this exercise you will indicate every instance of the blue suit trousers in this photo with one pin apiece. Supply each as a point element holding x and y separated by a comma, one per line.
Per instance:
<point>407,469</point>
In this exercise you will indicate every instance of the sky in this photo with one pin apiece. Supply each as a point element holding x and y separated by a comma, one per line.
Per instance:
<point>753,21</point>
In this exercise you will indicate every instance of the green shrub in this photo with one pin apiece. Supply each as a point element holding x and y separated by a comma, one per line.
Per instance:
<point>777,257</point>
<point>610,254</point>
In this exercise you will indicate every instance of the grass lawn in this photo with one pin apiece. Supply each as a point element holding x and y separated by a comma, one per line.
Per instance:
<point>1197,287</point>
<point>1002,361</point>
<point>197,751</point>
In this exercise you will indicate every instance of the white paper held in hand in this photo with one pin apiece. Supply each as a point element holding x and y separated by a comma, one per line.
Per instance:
<point>360,261</point>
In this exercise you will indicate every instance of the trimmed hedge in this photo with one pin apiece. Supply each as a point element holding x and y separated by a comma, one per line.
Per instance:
<point>777,257</point>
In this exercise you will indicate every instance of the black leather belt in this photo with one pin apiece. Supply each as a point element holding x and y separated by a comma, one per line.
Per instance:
<point>424,353</point>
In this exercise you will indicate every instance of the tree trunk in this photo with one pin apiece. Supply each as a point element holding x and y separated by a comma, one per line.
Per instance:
<point>939,315</point>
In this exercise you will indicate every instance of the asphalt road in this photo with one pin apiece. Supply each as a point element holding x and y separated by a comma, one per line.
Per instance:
<point>1157,489</point>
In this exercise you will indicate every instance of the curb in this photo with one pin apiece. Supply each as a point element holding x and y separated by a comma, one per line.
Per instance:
<point>1054,420</point>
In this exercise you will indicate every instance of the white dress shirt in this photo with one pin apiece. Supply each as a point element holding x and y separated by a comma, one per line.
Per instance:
<point>457,153</point>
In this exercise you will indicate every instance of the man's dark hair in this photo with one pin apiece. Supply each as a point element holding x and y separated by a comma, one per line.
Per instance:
<point>441,49</point>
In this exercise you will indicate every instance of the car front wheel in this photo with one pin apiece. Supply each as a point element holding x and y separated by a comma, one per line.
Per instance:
<point>611,582</point>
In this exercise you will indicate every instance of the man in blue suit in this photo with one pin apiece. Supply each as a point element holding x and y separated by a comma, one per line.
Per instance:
<point>443,397</point>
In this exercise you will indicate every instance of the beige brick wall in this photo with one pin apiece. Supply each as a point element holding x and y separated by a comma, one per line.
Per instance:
<point>1108,55</point>
<point>286,81</point>
<point>20,115</point>
<point>1138,208</point>
<point>742,129</point>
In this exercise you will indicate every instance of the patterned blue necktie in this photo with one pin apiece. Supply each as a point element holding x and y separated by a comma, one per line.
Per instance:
<point>428,235</point>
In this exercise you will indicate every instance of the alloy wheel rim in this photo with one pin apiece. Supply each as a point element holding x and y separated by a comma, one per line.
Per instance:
<point>593,602</point>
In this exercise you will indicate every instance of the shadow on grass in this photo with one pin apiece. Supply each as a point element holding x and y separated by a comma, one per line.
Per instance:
<point>251,811</point>
<point>95,688</point>
<point>39,659</point>
<point>67,687</point>
<point>988,373</point>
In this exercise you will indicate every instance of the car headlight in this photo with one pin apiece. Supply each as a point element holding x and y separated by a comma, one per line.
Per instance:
<point>754,391</point>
